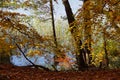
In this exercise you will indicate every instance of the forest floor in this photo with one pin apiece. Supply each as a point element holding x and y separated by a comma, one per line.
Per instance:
<point>10,72</point>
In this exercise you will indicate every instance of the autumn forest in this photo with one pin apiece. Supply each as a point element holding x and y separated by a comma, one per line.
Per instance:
<point>37,44</point>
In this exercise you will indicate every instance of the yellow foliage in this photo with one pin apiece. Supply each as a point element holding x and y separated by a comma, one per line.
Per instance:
<point>33,52</point>
<point>97,58</point>
<point>111,14</point>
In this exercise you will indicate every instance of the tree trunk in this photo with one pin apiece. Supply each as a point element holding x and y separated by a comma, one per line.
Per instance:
<point>105,49</point>
<point>80,52</point>
<point>53,23</point>
<point>54,34</point>
<point>87,33</point>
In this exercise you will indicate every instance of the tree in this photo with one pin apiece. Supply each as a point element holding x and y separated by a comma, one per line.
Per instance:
<point>96,24</point>
<point>87,31</point>
<point>19,34</point>
<point>80,52</point>
<point>89,20</point>
<point>53,23</point>
<point>99,18</point>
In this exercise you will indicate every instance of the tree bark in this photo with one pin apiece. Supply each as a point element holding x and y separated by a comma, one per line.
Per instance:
<point>53,23</point>
<point>54,33</point>
<point>105,48</point>
<point>87,33</point>
<point>80,52</point>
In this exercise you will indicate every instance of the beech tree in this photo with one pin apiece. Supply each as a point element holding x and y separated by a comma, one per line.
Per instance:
<point>80,54</point>
<point>97,18</point>
<point>94,16</point>
<point>17,32</point>
<point>93,29</point>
